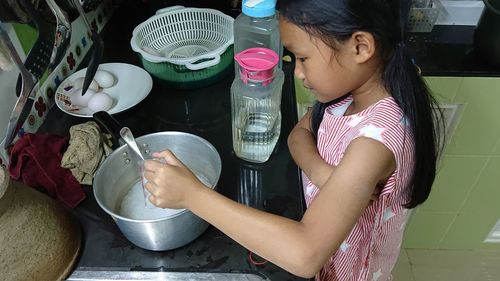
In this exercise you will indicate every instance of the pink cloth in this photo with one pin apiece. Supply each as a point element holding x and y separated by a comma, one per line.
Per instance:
<point>371,249</point>
<point>35,160</point>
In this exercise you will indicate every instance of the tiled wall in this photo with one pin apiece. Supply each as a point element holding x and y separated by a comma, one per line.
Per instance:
<point>447,265</point>
<point>79,45</point>
<point>465,201</point>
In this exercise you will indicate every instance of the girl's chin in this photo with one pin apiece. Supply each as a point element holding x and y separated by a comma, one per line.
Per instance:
<point>323,99</point>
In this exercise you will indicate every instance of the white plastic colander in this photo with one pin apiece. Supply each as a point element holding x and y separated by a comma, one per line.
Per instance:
<point>192,37</point>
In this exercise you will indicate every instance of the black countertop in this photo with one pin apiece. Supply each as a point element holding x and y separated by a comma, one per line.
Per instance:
<point>449,51</point>
<point>273,186</point>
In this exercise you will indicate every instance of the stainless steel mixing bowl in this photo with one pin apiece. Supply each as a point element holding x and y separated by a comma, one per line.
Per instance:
<point>118,174</point>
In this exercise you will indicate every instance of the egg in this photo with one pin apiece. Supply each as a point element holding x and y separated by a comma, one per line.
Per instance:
<point>78,100</point>
<point>104,78</point>
<point>78,84</point>
<point>100,102</point>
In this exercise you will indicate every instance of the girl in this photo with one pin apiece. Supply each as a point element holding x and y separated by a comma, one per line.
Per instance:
<point>371,132</point>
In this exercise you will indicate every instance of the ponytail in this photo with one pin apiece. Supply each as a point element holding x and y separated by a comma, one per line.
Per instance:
<point>402,80</point>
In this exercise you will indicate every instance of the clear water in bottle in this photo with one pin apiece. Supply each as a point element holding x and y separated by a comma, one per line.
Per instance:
<point>255,104</point>
<point>256,135</point>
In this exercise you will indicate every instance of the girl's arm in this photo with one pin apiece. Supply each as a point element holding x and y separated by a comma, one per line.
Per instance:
<point>305,153</point>
<point>301,248</point>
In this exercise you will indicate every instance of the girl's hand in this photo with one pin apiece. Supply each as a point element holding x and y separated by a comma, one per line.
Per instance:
<point>170,183</point>
<point>304,151</point>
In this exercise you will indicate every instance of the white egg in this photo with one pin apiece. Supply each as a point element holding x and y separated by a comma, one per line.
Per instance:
<point>78,100</point>
<point>78,84</point>
<point>100,102</point>
<point>104,78</point>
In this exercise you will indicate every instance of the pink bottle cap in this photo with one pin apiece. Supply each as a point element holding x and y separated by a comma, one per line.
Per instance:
<point>257,64</point>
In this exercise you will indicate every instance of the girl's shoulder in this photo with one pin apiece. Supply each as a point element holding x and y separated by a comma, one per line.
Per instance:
<point>385,113</point>
<point>385,106</point>
<point>384,121</point>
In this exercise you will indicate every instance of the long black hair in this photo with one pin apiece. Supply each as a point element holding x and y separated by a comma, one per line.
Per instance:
<point>334,21</point>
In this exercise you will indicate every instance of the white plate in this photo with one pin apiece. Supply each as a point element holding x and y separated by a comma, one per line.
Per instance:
<point>132,85</point>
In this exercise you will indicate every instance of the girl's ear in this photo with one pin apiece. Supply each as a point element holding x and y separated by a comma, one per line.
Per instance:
<point>363,45</point>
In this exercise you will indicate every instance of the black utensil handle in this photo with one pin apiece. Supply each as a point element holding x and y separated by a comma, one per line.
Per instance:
<point>95,60</point>
<point>110,125</point>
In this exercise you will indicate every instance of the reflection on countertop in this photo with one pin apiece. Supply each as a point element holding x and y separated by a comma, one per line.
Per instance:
<point>449,51</point>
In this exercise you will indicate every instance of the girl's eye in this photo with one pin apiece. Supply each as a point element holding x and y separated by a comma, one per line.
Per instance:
<point>301,59</point>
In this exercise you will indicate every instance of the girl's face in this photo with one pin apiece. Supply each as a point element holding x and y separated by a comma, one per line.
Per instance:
<point>328,73</point>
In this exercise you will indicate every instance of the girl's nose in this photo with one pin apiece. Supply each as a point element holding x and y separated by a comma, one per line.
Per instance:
<point>298,71</point>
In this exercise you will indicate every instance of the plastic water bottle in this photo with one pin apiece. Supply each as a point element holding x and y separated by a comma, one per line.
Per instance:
<point>255,104</point>
<point>257,26</point>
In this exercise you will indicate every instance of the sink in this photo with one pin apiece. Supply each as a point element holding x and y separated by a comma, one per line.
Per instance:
<point>81,274</point>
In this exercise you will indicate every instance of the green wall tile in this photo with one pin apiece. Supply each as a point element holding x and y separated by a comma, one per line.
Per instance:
<point>496,150</point>
<point>485,195</point>
<point>469,230</point>
<point>426,229</point>
<point>455,178</point>
<point>465,201</point>
<point>402,269</point>
<point>26,34</point>
<point>444,265</point>
<point>479,127</point>
<point>491,256</point>
<point>303,95</point>
<point>443,89</point>
<point>490,246</point>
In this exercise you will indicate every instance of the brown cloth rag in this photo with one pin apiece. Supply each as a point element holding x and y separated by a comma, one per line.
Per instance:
<point>88,147</point>
<point>36,161</point>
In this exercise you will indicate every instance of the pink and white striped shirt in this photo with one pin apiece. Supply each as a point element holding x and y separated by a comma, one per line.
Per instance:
<point>371,249</point>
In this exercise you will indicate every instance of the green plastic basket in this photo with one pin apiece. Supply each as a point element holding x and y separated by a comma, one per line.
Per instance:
<point>179,76</point>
